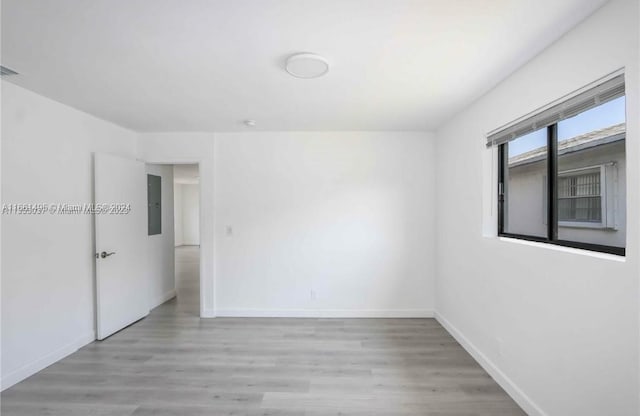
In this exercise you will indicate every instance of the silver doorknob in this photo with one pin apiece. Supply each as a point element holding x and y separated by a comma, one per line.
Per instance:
<point>104,254</point>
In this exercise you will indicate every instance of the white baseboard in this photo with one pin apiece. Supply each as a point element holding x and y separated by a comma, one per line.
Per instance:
<point>325,313</point>
<point>208,313</point>
<point>30,369</point>
<point>162,299</point>
<point>519,396</point>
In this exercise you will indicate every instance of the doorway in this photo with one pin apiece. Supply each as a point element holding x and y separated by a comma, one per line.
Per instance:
<point>173,238</point>
<point>186,193</point>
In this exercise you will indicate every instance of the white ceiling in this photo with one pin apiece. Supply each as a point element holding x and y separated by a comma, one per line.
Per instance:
<point>207,65</point>
<point>186,174</point>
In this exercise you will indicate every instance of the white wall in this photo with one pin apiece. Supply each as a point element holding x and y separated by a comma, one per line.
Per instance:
<point>347,215</point>
<point>557,327</point>
<point>177,215</point>
<point>1,200</point>
<point>161,250</point>
<point>48,262</point>
<point>191,214</point>
<point>187,214</point>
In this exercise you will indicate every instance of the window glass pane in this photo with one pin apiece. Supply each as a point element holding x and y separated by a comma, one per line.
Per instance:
<point>579,197</point>
<point>525,178</point>
<point>591,176</point>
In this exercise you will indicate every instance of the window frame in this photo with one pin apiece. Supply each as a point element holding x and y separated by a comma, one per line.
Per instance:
<point>598,225</point>
<point>551,201</point>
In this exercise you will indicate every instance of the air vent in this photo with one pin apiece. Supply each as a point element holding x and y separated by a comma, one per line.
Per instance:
<point>6,72</point>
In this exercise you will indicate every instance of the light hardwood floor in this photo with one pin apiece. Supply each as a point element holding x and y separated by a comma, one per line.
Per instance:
<point>174,364</point>
<point>188,280</point>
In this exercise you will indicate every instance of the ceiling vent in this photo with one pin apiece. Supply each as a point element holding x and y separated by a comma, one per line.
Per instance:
<point>6,72</point>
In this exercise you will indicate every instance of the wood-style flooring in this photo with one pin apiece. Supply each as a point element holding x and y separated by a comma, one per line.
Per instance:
<point>175,364</point>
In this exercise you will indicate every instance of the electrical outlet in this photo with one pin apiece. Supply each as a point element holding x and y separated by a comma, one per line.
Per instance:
<point>313,295</point>
<point>229,230</point>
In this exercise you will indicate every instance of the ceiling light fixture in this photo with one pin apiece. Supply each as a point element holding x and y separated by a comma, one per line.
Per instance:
<point>307,65</point>
<point>250,123</point>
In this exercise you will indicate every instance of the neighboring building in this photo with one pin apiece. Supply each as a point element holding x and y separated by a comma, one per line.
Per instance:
<point>591,189</point>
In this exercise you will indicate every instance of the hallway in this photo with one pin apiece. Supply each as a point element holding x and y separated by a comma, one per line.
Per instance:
<point>187,281</point>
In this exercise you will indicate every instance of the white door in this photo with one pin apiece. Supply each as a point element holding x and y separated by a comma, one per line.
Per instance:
<point>121,286</point>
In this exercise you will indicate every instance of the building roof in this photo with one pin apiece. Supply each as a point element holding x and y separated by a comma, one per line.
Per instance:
<point>584,141</point>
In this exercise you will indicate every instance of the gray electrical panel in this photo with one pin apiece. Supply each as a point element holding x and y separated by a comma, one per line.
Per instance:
<point>154,198</point>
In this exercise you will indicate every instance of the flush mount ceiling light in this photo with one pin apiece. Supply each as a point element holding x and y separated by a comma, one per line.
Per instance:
<point>307,65</point>
<point>250,123</point>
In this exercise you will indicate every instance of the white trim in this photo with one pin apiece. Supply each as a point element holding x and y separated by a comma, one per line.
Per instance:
<point>40,364</point>
<point>602,225</point>
<point>587,225</point>
<point>594,168</point>
<point>519,396</point>
<point>571,250</point>
<point>163,298</point>
<point>207,313</point>
<point>325,313</point>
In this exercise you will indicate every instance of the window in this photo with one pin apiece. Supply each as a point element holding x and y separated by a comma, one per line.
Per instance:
<point>524,188</point>
<point>561,176</point>
<point>580,197</point>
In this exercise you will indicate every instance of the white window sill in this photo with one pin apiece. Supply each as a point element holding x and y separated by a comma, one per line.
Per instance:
<point>585,225</point>
<point>549,246</point>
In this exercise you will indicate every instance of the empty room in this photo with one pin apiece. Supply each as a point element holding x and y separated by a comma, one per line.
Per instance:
<point>320,207</point>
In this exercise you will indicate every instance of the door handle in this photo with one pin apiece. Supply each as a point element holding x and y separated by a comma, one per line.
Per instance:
<point>104,254</point>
